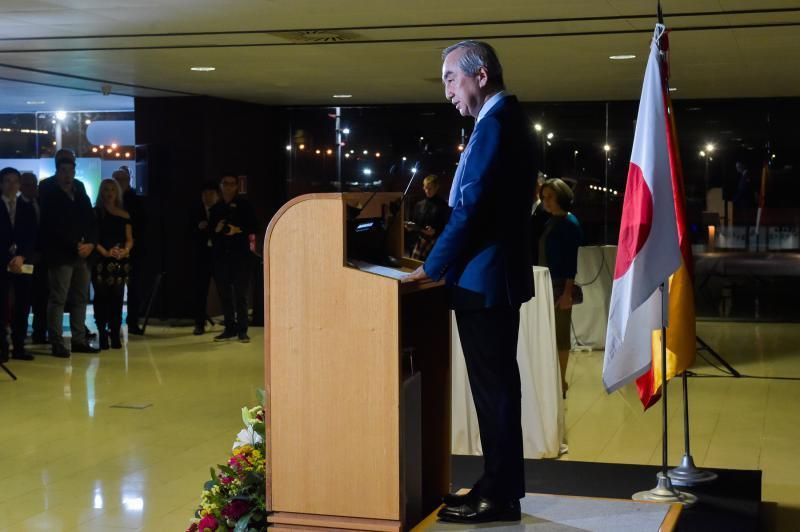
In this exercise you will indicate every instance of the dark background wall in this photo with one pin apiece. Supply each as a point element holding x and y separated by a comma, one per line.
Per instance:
<point>186,142</point>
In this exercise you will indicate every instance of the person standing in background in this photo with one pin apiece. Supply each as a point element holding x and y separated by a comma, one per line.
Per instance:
<point>112,270</point>
<point>134,206</point>
<point>69,236</point>
<point>558,250</point>
<point>428,218</point>
<point>29,192</point>
<point>17,244</point>
<point>204,257</point>
<point>232,222</point>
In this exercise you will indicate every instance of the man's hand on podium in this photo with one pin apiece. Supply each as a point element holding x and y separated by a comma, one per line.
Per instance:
<point>417,275</point>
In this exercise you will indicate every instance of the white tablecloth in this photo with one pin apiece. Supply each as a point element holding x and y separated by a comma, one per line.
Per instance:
<point>542,406</point>
<point>595,275</point>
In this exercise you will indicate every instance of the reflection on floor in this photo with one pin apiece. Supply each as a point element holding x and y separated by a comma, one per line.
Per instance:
<point>70,461</point>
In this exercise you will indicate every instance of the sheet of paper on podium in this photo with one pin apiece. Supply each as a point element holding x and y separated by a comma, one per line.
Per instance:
<point>378,270</point>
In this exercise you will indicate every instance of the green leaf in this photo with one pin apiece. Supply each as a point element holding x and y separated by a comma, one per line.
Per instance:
<point>261,395</point>
<point>243,522</point>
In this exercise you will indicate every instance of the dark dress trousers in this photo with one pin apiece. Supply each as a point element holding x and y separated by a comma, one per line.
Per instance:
<point>484,255</point>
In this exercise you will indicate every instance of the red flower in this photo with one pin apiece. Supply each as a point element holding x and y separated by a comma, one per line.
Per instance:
<point>209,522</point>
<point>235,509</point>
<point>192,528</point>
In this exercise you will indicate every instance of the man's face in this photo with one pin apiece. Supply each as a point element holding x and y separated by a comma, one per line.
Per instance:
<point>123,179</point>
<point>10,185</point>
<point>462,90</point>
<point>29,186</point>
<point>209,197</point>
<point>229,186</point>
<point>65,174</point>
<point>430,188</point>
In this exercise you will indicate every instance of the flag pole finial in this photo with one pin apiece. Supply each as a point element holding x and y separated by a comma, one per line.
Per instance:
<point>659,12</point>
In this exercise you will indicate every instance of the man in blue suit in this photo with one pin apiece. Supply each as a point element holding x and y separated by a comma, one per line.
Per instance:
<point>483,254</point>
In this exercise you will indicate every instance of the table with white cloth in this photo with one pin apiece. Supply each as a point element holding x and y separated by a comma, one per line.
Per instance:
<point>595,277</point>
<point>542,405</point>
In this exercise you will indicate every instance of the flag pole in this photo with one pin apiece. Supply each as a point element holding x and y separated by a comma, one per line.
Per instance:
<point>664,491</point>
<point>687,473</point>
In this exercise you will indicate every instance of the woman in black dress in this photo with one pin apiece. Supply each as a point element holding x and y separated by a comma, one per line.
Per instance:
<point>110,272</point>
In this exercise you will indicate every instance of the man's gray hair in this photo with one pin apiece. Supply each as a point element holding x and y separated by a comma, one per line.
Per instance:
<point>478,54</point>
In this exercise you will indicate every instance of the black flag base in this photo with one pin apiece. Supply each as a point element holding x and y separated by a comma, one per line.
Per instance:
<point>687,474</point>
<point>666,493</point>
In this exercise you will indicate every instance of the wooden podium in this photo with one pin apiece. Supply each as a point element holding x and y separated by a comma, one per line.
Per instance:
<point>357,370</point>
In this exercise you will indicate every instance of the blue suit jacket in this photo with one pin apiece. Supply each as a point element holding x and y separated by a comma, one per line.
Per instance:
<point>484,250</point>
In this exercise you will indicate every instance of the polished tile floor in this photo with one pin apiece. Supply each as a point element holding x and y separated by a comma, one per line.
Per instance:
<point>69,461</point>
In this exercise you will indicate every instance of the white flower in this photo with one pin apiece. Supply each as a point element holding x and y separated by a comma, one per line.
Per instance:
<point>247,437</point>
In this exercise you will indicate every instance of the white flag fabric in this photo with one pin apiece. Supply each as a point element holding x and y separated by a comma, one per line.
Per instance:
<point>648,251</point>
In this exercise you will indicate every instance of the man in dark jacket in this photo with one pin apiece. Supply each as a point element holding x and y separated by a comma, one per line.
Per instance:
<point>201,232</point>
<point>232,222</point>
<point>484,255</point>
<point>17,242</point>
<point>69,235</point>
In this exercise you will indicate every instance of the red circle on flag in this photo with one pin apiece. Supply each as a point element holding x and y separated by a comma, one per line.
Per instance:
<point>637,220</point>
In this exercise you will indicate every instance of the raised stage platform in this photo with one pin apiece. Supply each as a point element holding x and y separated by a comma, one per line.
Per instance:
<point>731,503</point>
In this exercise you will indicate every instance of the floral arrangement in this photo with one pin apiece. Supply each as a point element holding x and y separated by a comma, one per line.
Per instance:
<point>234,500</point>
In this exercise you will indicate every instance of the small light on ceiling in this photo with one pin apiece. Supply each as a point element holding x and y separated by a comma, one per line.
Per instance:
<point>87,121</point>
<point>329,151</point>
<point>346,131</point>
<point>367,171</point>
<point>35,102</point>
<point>551,135</point>
<point>342,95</point>
<point>288,147</point>
<point>673,89</point>
<point>202,68</point>
<point>61,115</point>
<point>621,57</point>
<point>606,148</point>
<point>537,127</point>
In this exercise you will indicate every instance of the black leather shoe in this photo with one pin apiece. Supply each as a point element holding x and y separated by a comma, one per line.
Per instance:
<point>59,351</point>
<point>481,511</point>
<point>135,329</point>
<point>198,330</point>
<point>37,339</point>
<point>84,348</point>
<point>21,355</point>
<point>225,335</point>
<point>453,499</point>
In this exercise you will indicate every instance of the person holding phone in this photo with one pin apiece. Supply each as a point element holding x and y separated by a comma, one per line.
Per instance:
<point>232,220</point>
